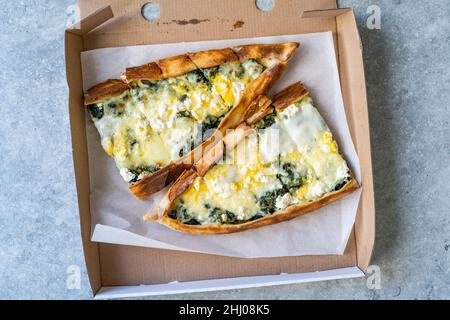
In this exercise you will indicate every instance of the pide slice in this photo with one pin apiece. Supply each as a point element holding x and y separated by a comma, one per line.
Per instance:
<point>281,163</point>
<point>152,121</point>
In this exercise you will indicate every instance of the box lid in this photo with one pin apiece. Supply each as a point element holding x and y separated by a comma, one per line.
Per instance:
<point>201,20</point>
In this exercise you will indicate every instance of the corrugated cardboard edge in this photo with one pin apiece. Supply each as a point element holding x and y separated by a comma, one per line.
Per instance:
<point>73,44</point>
<point>353,88</point>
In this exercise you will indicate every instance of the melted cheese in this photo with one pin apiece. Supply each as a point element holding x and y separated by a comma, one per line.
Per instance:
<point>261,177</point>
<point>158,122</point>
<point>182,135</point>
<point>127,137</point>
<point>230,79</point>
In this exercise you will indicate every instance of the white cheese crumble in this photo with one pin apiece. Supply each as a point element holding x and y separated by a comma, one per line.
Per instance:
<point>283,201</point>
<point>126,174</point>
<point>315,190</point>
<point>197,184</point>
<point>290,111</point>
<point>237,87</point>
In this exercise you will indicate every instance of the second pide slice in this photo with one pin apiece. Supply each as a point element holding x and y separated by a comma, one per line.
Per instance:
<point>281,163</point>
<point>154,121</point>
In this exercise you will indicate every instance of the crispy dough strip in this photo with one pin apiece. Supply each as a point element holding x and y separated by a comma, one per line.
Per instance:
<point>261,108</point>
<point>259,115</point>
<point>157,180</point>
<point>266,53</point>
<point>149,71</point>
<point>104,90</point>
<point>259,86</point>
<point>178,188</point>
<point>213,58</point>
<point>235,136</point>
<point>181,184</point>
<point>288,96</point>
<point>231,140</point>
<point>176,66</point>
<point>209,159</point>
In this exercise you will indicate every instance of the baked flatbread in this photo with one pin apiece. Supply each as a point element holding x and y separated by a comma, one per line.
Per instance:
<point>279,164</point>
<point>163,116</point>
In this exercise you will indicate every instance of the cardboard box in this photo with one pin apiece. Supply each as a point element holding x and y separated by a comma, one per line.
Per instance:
<point>123,271</point>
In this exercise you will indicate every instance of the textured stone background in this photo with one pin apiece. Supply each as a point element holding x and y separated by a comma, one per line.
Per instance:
<point>408,80</point>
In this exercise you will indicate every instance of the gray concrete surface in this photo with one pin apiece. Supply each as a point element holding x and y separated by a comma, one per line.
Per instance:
<point>408,79</point>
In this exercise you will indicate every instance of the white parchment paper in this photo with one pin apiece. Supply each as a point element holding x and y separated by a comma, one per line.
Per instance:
<point>117,215</point>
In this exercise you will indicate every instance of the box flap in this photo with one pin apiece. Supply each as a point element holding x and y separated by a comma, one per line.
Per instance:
<point>92,21</point>
<point>325,13</point>
<point>199,20</point>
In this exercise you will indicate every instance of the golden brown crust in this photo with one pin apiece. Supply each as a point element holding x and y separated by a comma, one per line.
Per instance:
<point>149,71</point>
<point>259,115</point>
<point>102,91</point>
<point>157,180</point>
<point>176,66</point>
<point>213,58</point>
<point>244,109</point>
<point>181,184</point>
<point>227,144</point>
<point>261,107</point>
<point>266,53</point>
<point>289,95</point>
<point>195,155</point>
<point>235,136</point>
<point>209,159</point>
<point>285,215</point>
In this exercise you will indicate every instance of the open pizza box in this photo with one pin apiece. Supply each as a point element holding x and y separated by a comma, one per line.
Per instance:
<point>126,271</point>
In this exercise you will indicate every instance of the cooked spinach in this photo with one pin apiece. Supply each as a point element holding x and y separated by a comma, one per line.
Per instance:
<point>211,122</point>
<point>116,109</point>
<point>222,216</point>
<point>341,184</point>
<point>136,172</point>
<point>132,142</point>
<point>181,214</point>
<point>211,72</point>
<point>196,77</point>
<point>257,216</point>
<point>184,114</point>
<point>149,83</point>
<point>183,97</point>
<point>186,149</point>
<point>268,200</point>
<point>290,177</point>
<point>96,111</point>
<point>239,72</point>
<point>265,122</point>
